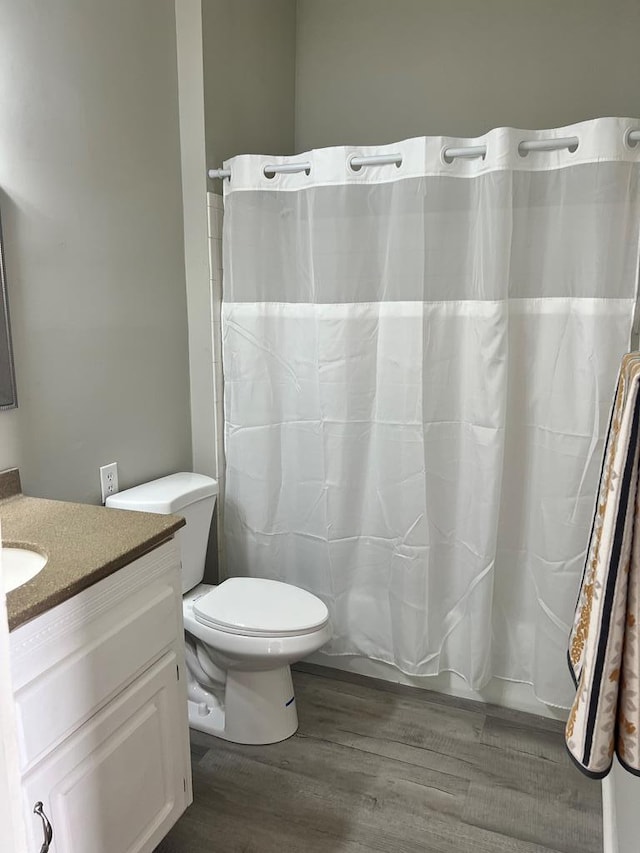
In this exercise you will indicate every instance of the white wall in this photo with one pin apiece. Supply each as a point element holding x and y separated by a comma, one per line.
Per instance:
<point>236,64</point>
<point>376,71</point>
<point>190,49</point>
<point>236,76</point>
<point>92,220</point>
<point>621,811</point>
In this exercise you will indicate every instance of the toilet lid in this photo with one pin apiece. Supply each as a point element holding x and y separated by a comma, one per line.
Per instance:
<point>258,607</point>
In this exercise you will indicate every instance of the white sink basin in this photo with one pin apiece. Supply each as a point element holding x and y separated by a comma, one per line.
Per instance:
<point>19,565</point>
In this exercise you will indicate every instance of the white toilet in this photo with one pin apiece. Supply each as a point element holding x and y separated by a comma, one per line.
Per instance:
<point>242,635</point>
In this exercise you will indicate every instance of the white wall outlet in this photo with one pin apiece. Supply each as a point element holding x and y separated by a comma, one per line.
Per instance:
<point>108,480</point>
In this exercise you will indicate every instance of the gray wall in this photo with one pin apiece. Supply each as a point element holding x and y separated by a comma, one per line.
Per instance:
<point>376,71</point>
<point>92,220</point>
<point>249,78</point>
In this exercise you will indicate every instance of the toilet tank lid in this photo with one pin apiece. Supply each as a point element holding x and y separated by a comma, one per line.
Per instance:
<point>166,495</point>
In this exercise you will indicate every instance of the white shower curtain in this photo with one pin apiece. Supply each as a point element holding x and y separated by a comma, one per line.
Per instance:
<point>419,362</point>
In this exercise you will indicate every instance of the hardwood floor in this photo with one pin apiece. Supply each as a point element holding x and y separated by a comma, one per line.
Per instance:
<point>377,767</point>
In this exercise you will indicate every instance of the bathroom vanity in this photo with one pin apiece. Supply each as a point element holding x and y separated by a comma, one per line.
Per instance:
<point>98,678</point>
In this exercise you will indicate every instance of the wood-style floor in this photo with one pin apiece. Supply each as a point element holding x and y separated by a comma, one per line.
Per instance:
<point>394,770</point>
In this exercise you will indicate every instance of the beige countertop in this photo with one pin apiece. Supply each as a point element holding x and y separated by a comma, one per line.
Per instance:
<point>83,544</point>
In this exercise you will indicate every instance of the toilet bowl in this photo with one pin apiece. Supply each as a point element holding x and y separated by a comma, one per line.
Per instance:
<point>249,631</point>
<point>242,635</point>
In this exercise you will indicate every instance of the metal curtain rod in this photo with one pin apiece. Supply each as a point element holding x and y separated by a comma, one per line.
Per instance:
<point>375,160</point>
<point>467,153</point>
<point>294,168</point>
<point>558,144</point>
<point>269,171</point>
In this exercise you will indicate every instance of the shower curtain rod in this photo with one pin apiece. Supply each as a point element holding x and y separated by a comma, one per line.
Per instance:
<point>449,154</point>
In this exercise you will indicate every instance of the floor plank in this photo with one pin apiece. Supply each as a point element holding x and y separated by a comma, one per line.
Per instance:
<point>390,771</point>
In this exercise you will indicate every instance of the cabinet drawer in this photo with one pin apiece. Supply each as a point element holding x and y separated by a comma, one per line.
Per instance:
<point>97,656</point>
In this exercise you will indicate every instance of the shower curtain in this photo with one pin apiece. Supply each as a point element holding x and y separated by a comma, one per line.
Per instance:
<point>419,360</point>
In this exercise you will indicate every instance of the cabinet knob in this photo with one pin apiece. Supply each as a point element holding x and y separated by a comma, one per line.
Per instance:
<point>47,829</point>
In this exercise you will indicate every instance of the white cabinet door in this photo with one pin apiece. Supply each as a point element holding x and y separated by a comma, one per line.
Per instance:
<point>118,783</point>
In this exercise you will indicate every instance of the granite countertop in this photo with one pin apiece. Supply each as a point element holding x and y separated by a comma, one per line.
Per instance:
<point>83,544</point>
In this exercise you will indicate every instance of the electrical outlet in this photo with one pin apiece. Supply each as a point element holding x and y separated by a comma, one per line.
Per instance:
<point>108,480</point>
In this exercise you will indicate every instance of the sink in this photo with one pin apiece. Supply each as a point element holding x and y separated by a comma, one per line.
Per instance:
<point>19,565</point>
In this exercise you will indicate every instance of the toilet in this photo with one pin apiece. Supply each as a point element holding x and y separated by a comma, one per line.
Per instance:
<point>242,635</point>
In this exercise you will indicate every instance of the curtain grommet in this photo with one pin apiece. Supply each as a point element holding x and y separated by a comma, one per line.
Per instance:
<point>447,161</point>
<point>631,144</point>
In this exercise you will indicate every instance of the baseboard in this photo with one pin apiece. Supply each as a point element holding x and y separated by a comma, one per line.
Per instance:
<point>508,694</point>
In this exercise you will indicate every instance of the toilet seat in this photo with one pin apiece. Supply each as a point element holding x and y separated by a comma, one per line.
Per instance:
<point>256,607</point>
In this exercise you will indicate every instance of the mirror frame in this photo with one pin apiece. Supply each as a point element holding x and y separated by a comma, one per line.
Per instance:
<point>5,331</point>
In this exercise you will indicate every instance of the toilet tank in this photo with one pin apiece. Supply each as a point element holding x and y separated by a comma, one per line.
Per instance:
<point>190,495</point>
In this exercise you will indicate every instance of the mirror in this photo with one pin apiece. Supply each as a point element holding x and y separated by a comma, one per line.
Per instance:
<point>8,399</point>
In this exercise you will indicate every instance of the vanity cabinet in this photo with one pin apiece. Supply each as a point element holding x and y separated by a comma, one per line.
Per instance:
<point>100,693</point>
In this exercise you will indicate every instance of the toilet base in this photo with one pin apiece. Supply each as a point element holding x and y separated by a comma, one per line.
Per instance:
<point>259,708</point>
